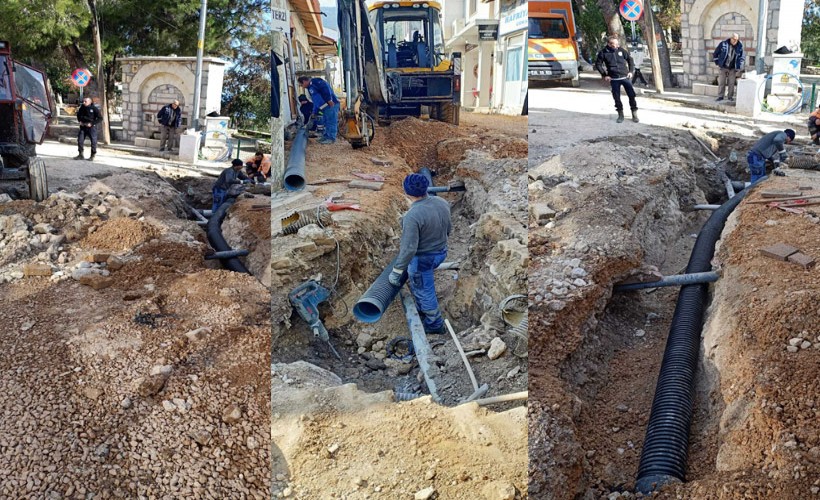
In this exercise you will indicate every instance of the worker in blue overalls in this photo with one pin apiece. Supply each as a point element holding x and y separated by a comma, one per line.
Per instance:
<point>324,100</point>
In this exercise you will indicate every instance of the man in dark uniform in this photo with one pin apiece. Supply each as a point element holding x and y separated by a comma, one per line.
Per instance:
<point>616,66</point>
<point>89,116</point>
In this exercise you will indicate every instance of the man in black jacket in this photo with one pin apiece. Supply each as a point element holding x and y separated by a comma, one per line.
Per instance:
<point>616,67</point>
<point>89,116</point>
<point>169,118</point>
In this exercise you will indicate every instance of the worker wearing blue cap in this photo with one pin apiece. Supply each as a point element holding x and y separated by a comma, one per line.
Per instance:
<point>424,231</point>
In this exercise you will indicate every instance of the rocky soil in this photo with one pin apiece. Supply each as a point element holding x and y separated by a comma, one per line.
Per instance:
<point>132,367</point>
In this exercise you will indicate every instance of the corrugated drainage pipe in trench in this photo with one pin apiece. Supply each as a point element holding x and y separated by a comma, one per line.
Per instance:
<point>375,300</point>
<point>217,241</point>
<point>665,449</point>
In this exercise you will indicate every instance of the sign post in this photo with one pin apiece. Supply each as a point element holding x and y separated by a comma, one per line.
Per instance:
<point>81,77</point>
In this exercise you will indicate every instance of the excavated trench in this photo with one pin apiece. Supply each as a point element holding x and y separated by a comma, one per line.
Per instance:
<point>597,354</point>
<point>487,245</point>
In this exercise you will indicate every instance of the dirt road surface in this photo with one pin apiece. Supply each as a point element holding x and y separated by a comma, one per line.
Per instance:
<point>385,449</point>
<point>131,366</point>
<point>610,199</point>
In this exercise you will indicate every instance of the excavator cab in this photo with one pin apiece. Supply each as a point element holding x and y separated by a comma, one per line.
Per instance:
<point>417,71</point>
<point>25,114</point>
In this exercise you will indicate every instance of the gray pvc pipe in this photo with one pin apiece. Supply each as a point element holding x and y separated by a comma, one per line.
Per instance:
<point>424,353</point>
<point>295,169</point>
<point>227,254</point>
<point>431,189</point>
<point>706,207</point>
<point>445,189</point>
<point>674,280</point>
<point>374,302</point>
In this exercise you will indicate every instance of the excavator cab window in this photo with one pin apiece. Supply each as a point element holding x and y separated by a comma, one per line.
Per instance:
<point>5,81</point>
<point>406,33</point>
<point>30,86</point>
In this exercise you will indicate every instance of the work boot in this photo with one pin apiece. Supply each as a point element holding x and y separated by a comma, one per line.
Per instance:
<point>434,331</point>
<point>635,115</point>
<point>79,157</point>
<point>719,99</point>
<point>620,116</point>
<point>91,158</point>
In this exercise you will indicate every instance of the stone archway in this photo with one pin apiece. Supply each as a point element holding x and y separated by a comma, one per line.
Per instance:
<point>158,84</point>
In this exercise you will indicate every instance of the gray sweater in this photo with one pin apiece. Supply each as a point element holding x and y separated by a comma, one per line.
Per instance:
<point>772,144</point>
<point>424,229</point>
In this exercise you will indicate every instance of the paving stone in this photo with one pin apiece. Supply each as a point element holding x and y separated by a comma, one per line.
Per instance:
<point>778,251</point>
<point>96,281</point>
<point>802,259</point>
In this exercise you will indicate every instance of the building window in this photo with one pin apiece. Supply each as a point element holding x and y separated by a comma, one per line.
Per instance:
<point>513,71</point>
<point>471,7</point>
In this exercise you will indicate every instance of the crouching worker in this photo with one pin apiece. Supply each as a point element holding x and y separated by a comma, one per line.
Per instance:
<point>229,177</point>
<point>770,147</point>
<point>424,232</point>
<point>258,167</point>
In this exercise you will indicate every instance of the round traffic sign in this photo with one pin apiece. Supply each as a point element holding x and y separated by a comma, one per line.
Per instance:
<point>631,10</point>
<point>80,77</point>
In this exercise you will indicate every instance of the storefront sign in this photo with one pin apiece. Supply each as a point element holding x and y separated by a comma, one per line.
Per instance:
<point>488,32</point>
<point>514,20</point>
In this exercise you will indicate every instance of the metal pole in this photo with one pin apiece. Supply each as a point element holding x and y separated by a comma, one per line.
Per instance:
<point>761,36</point>
<point>200,48</point>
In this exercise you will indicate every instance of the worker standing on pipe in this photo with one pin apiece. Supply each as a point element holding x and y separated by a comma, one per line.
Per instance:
<point>324,100</point>
<point>424,232</point>
<point>229,177</point>
<point>770,147</point>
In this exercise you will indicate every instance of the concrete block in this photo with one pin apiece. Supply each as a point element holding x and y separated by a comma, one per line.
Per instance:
<point>373,186</point>
<point>779,251</point>
<point>37,270</point>
<point>97,257</point>
<point>704,89</point>
<point>189,147</point>
<point>780,194</point>
<point>802,260</point>
<point>541,212</point>
<point>96,281</point>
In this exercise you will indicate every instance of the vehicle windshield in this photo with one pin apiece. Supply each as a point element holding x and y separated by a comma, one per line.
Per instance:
<point>406,31</point>
<point>548,28</point>
<point>5,82</point>
<point>31,87</point>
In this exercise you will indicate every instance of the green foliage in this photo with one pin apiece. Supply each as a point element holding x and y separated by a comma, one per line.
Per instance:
<point>36,28</point>
<point>246,93</point>
<point>810,43</point>
<point>592,25</point>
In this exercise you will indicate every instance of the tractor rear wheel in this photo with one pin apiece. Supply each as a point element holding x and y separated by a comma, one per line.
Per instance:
<point>17,160</point>
<point>448,112</point>
<point>37,180</point>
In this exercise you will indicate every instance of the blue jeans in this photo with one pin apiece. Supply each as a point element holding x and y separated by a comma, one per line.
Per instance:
<point>422,284</point>
<point>331,121</point>
<point>757,165</point>
<point>219,198</point>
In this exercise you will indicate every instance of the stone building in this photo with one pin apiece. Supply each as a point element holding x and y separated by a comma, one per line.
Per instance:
<point>705,23</point>
<point>149,83</point>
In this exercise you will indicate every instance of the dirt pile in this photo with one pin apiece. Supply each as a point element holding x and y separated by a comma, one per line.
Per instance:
<point>248,227</point>
<point>335,444</point>
<point>130,369</point>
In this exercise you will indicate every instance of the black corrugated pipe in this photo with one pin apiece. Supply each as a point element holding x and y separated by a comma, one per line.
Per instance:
<point>375,300</point>
<point>295,169</point>
<point>217,241</point>
<point>666,446</point>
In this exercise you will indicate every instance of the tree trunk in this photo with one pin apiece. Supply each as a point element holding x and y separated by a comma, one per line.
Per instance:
<point>74,56</point>
<point>100,72</point>
<point>613,19</point>
<point>662,51</point>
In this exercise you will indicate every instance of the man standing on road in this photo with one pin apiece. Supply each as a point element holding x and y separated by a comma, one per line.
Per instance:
<point>424,231</point>
<point>324,100</point>
<point>770,147</point>
<point>89,116</point>
<point>729,58</point>
<point>169,118</point>
<point>616,66</point>
<point>229,177</point>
